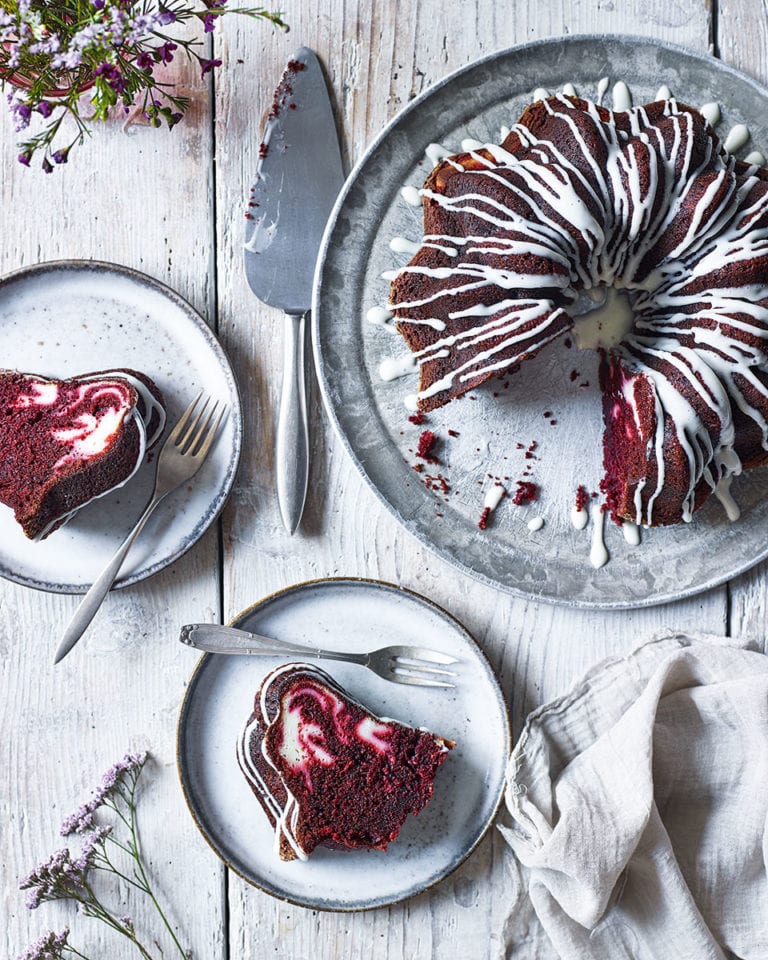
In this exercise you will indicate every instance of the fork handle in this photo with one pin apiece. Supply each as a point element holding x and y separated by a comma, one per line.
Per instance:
<point>91,602</point>
<point>215,638</point>
<point>292,447</point>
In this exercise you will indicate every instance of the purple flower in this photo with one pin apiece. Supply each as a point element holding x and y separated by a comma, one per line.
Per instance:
<point>209,22</point>
<point>98,4</point>
<point>144,61</point>
<point>165,53</point>
<point>207,65</point>
<point>55,878</point>
<point>49,947</point>
<point>24,158</point>
<point>166,17</point>
<point>44,108</point>
<point>82,819</point>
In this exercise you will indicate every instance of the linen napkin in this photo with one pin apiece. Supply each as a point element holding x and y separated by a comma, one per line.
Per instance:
<point>639,805</point>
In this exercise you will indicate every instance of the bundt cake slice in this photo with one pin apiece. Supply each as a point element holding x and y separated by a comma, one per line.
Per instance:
<point>579,197</point>
<point>66,442</point>
<point>326,770</point>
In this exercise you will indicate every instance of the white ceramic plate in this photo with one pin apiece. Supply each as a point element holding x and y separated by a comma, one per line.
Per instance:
<point>68,317</point>
<point>354,615</point>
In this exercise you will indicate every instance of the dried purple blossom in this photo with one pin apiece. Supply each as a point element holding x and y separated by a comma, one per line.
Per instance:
<point>207,65</point>
<point>58,878</point>
<point>48,947</point>
<point>82,820</point>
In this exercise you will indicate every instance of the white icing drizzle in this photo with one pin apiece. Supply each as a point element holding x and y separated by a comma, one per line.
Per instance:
<point>494,495</point>
<point>503,133</point>
<point>631,533</point>
<point>401,245</point>
<point>598,555</point>
<point>395,367</point>
<point>602,89</point>
<point>540,94</point>
<point>411,196</point>
<point>607,325</point>
<point>535,523</point>
<point>737,138</point>
<point>579,517</point>
<point>724,495</point>
<point>569,90</point>
<point>756,158</point>
<point>711,113</point>
<point>469,145</point>
<point>622,98</point>
<point>436,152</point>
<point>378,316</point>
<point>663,93</point>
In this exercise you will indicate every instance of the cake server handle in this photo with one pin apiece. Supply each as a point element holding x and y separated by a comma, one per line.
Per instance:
<point>91,602</point>
<point>292,448</point>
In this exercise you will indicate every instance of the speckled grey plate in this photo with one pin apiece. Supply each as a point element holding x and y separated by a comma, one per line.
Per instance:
<point>551,564</point>
<point>73,316</point>
<point>347,614</point>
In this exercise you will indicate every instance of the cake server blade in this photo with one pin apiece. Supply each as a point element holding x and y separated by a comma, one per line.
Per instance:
<point>298,177</point>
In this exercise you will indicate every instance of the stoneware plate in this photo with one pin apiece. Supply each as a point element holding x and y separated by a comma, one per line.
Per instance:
<point>552,401</point>
<point>74,316</point>
<point>353,615</point>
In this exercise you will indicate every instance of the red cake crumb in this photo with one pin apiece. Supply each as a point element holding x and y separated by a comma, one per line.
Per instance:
<point>574,375</point>
<point>453,433</point>
<point>568,342</point>
<point>526,493</point>
<point>483,521</point>
<point>426,443</point>
<point>417,418</point>
<point>547,414</point>
<point>582,497</point>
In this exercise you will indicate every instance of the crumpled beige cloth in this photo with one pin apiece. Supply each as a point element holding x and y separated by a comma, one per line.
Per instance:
<point>639,806</point>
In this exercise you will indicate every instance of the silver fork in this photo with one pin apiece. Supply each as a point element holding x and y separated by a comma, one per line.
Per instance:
<point>416,665</point>
<point>182,455</point>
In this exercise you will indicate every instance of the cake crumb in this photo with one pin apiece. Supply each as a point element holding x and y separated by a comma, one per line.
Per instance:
<point>417,417</point>
<point>483,521</point>
<point>426,445</point>
<point>526,493</point>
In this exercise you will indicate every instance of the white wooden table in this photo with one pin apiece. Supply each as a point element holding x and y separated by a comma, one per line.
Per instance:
<point>147,199</point>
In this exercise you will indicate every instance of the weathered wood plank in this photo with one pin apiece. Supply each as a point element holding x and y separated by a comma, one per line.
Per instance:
<point>741,41</point>
<point>139,199</point>
<point>378,57</point>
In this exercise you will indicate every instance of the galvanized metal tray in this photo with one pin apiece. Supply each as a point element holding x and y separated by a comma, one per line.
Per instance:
<point>498,425</point>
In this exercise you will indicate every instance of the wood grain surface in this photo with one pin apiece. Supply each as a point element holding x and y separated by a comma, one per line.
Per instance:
<point>146,198</point>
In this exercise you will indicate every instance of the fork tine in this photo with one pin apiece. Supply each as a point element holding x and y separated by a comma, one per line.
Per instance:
<point>420,666</point>
<point>176,432</point>
<point>202,453</point>
<point>185,444</point>
<point>422,653</point>
<point>419,681</point>
<point>202,429</point>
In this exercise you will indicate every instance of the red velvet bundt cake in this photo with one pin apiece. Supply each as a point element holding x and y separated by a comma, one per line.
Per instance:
<point>578,197</point>
<point>326,771</point>
<point>66,442</point>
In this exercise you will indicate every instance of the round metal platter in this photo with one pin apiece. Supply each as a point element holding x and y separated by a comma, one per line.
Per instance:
<point>552,401</point>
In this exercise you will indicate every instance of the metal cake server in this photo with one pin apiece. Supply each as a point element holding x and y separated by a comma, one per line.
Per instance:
<point>298,177</point>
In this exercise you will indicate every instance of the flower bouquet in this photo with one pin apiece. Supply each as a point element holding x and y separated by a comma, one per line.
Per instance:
<point>56,58</point>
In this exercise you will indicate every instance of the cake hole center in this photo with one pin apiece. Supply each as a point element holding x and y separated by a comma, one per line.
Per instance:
<point>603,318</point>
